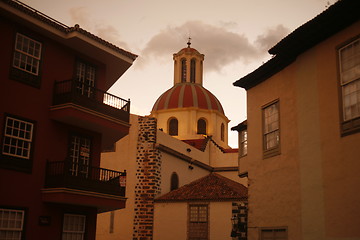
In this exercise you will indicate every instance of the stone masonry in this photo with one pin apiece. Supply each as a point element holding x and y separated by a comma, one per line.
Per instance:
<point>148,176</point>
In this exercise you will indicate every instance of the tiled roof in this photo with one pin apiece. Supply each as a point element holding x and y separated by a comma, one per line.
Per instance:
<point>185,95</point>
<point>212,187</point>
<point>197,143</point>
<point>62,27</point>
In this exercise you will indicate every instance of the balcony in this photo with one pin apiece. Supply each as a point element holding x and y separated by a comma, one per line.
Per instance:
<point>68,182</point>
<point>84,106</point>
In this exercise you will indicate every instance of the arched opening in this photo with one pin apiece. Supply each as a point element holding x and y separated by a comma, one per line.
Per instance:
<point>192,70</point>
<point>174,181</point>
<point>201,126</point>
<point>183,70</point>
<point>222,132</point>
<point>173,127</point>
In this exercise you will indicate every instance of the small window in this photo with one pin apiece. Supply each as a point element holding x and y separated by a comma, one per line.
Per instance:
<point>198,222</point>
<point>271,131</point>
<point>349,59</point>
<point>74,227</point>
<point>174,181</point>
<point>222,132</point>
<point>18,136</point>
<point>11,224</point>
<point>80,155</point>
<point>273,234</point>
<point>27,54</point>
<point>173,127</point>
<point>192,70</point>
<point>201,126</point>
<point>183,70</point>
<point>243,142</point>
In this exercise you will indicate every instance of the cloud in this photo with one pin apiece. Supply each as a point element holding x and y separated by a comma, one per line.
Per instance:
<point>220,46</point>
<point>271,37</point>
<point>81,16</point>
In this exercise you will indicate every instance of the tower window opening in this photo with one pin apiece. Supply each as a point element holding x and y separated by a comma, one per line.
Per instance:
<point>174,181</point>
<point>201,126</point>
<point>192,70</point>
<point>173,127</point>
<point>183,70</point>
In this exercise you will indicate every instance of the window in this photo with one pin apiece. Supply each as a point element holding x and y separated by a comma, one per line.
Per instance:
<point>27,54</point>
<point>183,70</point>
<point>85,75</point>
<point>74,227</point>
<point>198,222</point>
<point>11,224</point>
<point>271,129</point>
<point>173,127</point>
<point>222,132</point>
<point>18,136</point>
<point>243,142</point>
<point>349,59</point>
<point>201,126</point>
<point>80,150</point>
<point>192,70</point>
<point>273,234</point>
<point>174,181</point>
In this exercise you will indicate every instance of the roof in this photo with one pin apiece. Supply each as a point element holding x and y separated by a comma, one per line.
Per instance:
<point>185,95</point>
<point>338,16</point>
<point>240,127</point>
<point>62,27</point>
<point>212,187</point>
<point>197,143</point>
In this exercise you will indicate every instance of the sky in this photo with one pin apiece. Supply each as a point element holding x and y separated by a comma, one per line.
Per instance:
<point>234,36</point>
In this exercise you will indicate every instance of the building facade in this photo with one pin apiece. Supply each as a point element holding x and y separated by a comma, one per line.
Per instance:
<point>302,132</point>
<point>183,140</point>
<point>56,117</point>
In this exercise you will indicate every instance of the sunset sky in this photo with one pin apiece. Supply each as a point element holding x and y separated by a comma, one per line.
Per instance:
<point>234,35</point>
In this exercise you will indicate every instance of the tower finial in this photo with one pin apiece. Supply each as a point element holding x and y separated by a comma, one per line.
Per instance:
<point>189,42</point>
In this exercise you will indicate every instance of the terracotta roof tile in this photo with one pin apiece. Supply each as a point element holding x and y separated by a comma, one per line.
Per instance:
<point>212,187</point>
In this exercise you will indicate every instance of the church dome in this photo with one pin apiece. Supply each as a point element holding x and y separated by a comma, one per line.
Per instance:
<point>187,95</point>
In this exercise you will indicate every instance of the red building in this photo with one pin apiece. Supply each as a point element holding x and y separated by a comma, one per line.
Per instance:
<point>56,117</point>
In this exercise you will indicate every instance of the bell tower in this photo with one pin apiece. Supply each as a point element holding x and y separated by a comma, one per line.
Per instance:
<point>188,65</point>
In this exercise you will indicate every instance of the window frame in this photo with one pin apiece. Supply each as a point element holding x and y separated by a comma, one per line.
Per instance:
<point>193,70</point>
<point>174,181</point>
<point>243,142</point>
<point>65,231</point>
<point>352,125</point>
<point>275,150</point>
<point>22,74</point>
<point>222,132</point>
<point>19,229</point>
<point>192,223</point>
<point>183,70</point>
<point>13,161</point>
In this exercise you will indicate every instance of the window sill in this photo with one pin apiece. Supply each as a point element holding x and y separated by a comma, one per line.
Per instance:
<point>350,127</point>
<point>271,152</point>
<point>16,164</point>
<point>24,77</point>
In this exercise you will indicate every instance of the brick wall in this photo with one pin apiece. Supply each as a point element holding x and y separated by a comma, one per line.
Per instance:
<point>148,176</point>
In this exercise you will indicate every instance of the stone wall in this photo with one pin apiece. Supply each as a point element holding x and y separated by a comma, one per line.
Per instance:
<point>148,177</point>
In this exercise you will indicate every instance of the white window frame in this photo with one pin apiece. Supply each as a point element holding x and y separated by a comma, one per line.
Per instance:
<point>271,128</point>
<point>17,139</point>
<point>349,63</point>
<point>27,54</point>
<point>243,142</point>
<point>11,224</point>
<point>73,227</point>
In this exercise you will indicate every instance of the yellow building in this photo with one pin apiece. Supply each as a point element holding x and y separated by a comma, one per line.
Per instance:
<point>300,145</point>
<point>182,142</point>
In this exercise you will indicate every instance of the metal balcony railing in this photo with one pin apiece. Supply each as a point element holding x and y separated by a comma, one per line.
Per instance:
<point>84,177</point>
<point>74,91</point>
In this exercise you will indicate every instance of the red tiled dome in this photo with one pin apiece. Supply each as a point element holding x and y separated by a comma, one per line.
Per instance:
<point>184,95</point>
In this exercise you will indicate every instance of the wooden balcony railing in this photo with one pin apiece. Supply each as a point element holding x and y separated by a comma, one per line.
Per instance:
<point>73,175</point>
<point>74,91</point>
